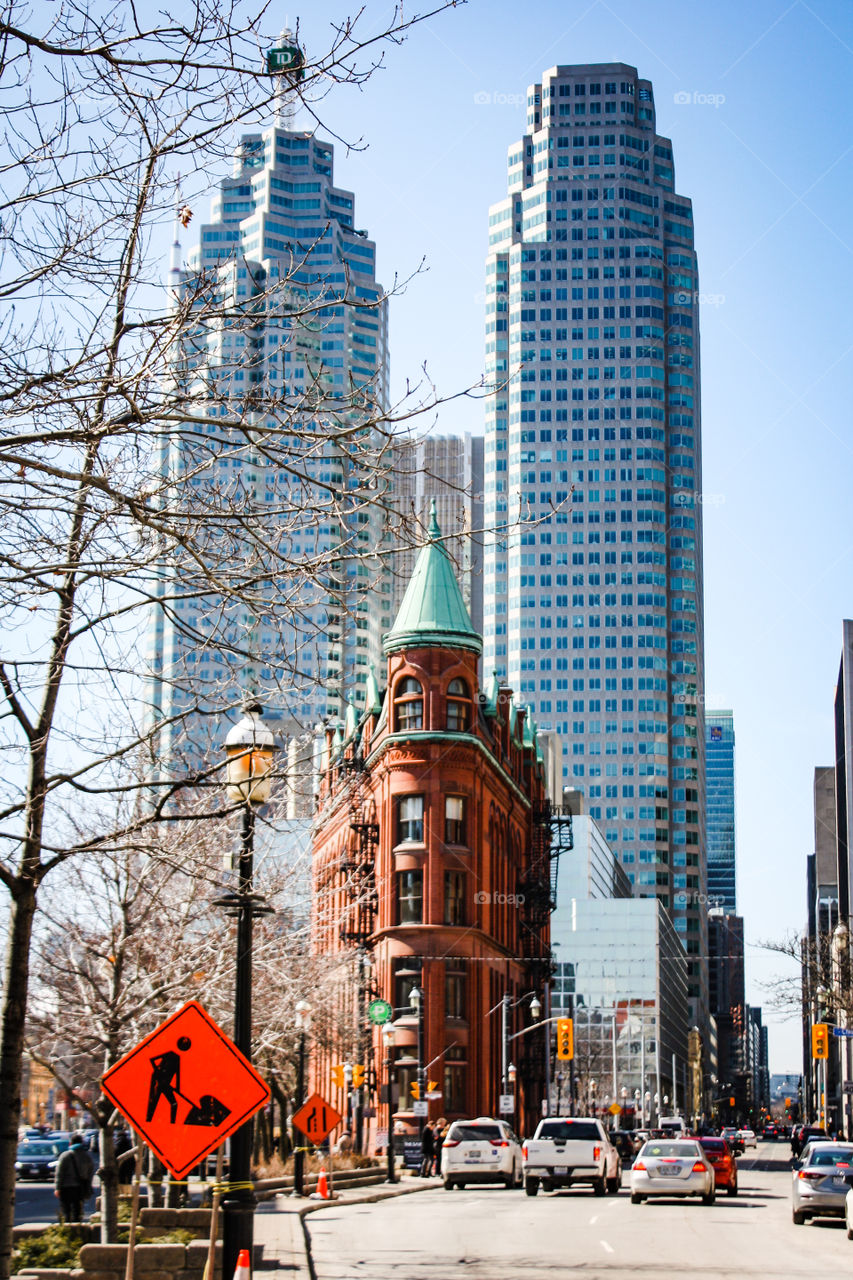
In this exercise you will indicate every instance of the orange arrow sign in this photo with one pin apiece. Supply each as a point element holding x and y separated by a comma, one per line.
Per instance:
<point>185,1088</point>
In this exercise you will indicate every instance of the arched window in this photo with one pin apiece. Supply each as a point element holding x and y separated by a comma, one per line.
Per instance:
<point>458,706</point>
<point>408,705</point>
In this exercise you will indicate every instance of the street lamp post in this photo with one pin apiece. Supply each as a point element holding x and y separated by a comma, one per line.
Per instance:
<point>249,748</point>
<point>303,1023</point>
<point>416,996</point>
<point>388,1036</point>
<point>506,1004</point>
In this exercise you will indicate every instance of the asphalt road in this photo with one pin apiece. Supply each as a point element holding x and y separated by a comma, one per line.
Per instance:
<point>494,1234</point>
<point>35,1202</point>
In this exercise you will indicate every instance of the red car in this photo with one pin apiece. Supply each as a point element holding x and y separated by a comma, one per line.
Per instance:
<point>722,1158</point>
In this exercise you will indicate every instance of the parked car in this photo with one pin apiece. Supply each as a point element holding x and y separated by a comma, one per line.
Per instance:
<point>568,1150</point>
<point>481,1150</point>
<point>821,1181</point>
<point>672,1168</point>
<point>722,1158</point>
<point>37,1160</point>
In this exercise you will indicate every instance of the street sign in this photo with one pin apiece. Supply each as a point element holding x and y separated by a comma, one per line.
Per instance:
<point>185,1088</point>
<point>614,1109</point>
<point>843,1032</point>
<point>317,1118</point>
<point>379,1012</point>
<point>848,1086</point>
<point>434,1095</point>
<point>420,1107</point>
<point>506,1104</point>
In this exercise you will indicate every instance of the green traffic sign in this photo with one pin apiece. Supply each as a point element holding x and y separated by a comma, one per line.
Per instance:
<point>379,1012</point>
<point>285,58</point>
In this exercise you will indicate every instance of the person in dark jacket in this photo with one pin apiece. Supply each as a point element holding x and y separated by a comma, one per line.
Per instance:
<point>73,1180</point>
<point>440,1135</point>
<point>427,1150</point>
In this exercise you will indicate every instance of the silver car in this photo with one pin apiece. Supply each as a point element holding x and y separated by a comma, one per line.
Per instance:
<point>821,1181</point>
<point>672,1168</point>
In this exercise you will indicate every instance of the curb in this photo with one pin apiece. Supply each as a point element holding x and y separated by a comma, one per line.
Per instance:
<point>298,1260</point>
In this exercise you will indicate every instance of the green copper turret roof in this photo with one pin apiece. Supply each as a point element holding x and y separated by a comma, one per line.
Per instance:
<point>372,699</point>
<point>433,611</point>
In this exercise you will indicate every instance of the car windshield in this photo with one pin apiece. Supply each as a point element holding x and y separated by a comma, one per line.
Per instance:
<point>825,1155</point>
<point>475,1133</point>
<point>27,1149</point>
<point>684,1149</point>
<point>713,1144</point>
<point>570,1131</point>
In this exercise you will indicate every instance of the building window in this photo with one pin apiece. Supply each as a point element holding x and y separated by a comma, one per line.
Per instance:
<point>454,897</point>
<point>406,1071</point>
<point>458,707</point>
<point>455,1071</point>
<point>454,989</point>
<point>407,975</point>
<point>408,705</point>
<point>410,819</point>
<point>454,820</point>
<point>410,897</point>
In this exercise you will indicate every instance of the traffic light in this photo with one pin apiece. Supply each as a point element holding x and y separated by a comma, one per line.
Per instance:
<point>416,1090</point>
<point>820,1040</point>
<point>357,1075</point>
<point>565,1039</point>
<point>731,1102</point>
<point>338,1077</point>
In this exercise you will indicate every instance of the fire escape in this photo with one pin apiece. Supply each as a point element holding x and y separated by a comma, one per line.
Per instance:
<point>358,862</point>
<point>551,835</point>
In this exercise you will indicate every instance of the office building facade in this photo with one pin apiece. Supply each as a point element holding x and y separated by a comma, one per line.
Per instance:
<point>720,810</point>
<point>286,336</point>
<point>593,473</point>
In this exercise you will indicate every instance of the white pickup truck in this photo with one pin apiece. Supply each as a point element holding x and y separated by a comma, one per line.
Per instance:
<point>566,1150</point>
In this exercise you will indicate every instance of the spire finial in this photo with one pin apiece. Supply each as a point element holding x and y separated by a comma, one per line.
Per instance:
<point>433,528</point>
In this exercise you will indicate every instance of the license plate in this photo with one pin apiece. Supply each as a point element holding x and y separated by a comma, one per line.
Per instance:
<point>839,1182</point>
<point>473,1155</point>
<point>669,1170</point>
<point>561,1168</point>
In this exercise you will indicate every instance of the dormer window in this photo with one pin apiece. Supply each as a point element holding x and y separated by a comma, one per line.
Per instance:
<point>458,706</point>
<point>408,705</point>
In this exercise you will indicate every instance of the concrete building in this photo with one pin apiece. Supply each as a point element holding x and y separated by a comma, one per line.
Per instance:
<point>298,345</point>
<point>446,470</point>
<point>431,867</point>
<point>727,989</point>
<point>621,973</point>
<point>844,769</point>
<point>593,473</point>
<point>720,816</point>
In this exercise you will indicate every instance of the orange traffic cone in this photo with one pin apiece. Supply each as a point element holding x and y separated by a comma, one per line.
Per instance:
<point>243,1270</point>
<point>322,1190</point>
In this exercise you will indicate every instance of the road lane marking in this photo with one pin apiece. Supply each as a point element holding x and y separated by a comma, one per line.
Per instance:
<point>593,1220</point>
<point>606,1247</point>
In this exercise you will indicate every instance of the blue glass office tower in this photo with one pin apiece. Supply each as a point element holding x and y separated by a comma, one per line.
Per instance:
<point>593,472</point>
<point>720,809</point>
<point>298,343</point>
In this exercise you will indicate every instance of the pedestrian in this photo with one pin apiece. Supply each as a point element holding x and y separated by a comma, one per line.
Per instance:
<point>73,1182</point>
<point>440,1135</point>
<point>427,1150</point>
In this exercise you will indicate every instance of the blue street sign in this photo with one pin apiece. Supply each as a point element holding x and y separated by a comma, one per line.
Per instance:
<point>843,1032</point>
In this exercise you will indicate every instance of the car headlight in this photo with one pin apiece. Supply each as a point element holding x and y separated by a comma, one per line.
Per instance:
<point>53,1164</point>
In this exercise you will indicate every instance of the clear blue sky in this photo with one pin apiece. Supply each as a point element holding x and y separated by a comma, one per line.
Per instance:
<point>768,167</point>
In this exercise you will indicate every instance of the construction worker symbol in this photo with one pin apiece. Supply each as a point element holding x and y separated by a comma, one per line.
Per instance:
<point>165,1086</point>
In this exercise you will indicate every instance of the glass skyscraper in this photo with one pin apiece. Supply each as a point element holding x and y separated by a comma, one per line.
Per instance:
<point>295,341</point>
<point>720,809</point>
<point>593,472</point>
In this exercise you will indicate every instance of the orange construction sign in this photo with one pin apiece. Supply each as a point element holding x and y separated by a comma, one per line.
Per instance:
<point>317,1118</point>
<point>185,1088</point>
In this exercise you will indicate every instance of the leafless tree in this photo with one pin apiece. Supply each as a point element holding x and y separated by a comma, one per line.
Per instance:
<point>102,106</point>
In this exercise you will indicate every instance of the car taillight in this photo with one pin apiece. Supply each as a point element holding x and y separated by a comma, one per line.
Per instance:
<point>523,1151</point>
<point>699,1167</point>
<point>454,1142</point>
<point>639,1165</point>
<point>596,1152</point>
<point>500,1144</point>
<point>808,1176</point>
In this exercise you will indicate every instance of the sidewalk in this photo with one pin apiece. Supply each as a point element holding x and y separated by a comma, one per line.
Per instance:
<point>279,1231</point>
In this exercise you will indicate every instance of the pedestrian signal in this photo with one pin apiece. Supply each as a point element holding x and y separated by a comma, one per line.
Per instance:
<point>820,1040</point>
<point>416,1090</point>
<point>565,1039</point>
<point>357,1075</point>
<point>338,1077</point>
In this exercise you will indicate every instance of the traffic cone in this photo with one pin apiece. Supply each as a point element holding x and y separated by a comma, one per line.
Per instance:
<point>322,1191</point>
<point>243,1270</point>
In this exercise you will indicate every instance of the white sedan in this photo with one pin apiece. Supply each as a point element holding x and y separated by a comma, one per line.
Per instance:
<point>747,1137</point>
<point>672,1168</point>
